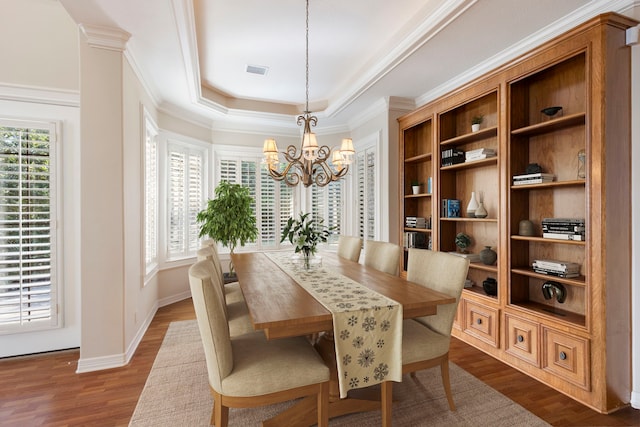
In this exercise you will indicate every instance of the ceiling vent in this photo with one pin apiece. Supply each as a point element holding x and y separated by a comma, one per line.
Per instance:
<point>257,69</point>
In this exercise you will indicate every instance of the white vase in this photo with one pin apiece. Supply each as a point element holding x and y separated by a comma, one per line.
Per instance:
<point>475,127</point>
<point>481,212</point>
<point>415,189</point>
<point>472,206</point>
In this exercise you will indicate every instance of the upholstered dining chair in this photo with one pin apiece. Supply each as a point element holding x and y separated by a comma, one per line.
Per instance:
<point>349,247</point>
<point>237,312</point>
<point>232,290</point>
<point>249,371</point>
<point>382,256</point>
<point>425,340</point>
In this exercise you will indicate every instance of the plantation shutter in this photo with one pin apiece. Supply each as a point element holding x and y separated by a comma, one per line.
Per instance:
<point>268,209</point>
<point>151,196</point>
<point>185,199</point>
<point>28,281</point>
<point>327,203</point>
<point>366,203</point>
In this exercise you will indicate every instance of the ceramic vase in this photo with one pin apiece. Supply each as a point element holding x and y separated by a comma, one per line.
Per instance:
<point>481,212</point>
<point>472,206</point>
<point>488,256</point>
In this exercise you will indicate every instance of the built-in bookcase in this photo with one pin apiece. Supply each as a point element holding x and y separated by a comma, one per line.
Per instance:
<point>580,343</point>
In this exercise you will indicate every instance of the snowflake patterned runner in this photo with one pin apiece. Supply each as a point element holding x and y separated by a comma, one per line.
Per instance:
<point>367,326</point>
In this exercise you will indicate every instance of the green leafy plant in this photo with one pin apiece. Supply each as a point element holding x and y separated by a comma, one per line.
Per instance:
<point>463,242</point>
<point>229,218</point>
<point>305,233</point>
<point>476,120</point>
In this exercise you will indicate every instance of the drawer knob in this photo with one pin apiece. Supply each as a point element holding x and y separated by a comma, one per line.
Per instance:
<point>520,338</point>
<point>479,321</point>
<point>563,355</point>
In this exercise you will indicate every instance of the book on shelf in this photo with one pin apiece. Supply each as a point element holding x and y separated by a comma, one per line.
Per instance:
<point>470,257</point>
<point>572,221</point>
<point>564,236</point>
<point>532,181</point>
<point>452,156</point>
<point>563,228</point>
<point>414,239</point>
<point>429,185</point>
<point>417,222</point>
<point>478,154</point>
<point>556,273</point>
<point>558,266</point>
<point>538,175</point>
<point>450,208</point>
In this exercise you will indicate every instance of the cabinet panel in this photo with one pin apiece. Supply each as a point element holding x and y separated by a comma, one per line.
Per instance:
<point>522,339</point>
<point>481,322</point>
<point>566,356</point>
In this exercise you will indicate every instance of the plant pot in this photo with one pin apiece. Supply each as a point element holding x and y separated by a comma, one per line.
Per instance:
<point>475,127</point>
<point>415,189</point>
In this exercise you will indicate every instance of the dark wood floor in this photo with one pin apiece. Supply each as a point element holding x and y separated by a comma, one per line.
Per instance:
<point>44,390</point>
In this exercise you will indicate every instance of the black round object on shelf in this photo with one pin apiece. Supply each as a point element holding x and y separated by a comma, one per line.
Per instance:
<point>550,111</point>
<point>490,286</point>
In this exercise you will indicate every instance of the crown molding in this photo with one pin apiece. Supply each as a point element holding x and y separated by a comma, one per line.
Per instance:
<point>105,37</point>
<point>66,98</point>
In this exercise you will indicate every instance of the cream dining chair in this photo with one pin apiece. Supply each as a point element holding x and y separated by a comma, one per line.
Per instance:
<point>382,256</point>
<point>237,311</point>
<point>425,340</point>
<point>232,290</point>
<point>249,371</point>
<point>349,247</point>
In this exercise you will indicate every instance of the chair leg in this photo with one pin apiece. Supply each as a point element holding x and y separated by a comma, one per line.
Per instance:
<point>220,414</point>
<point>444,369</point>
<point>323,405</point>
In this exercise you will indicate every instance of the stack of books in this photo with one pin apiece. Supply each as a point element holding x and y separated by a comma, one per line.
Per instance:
<point>478,154</point>
<point>563,228</point>
<point>556,268</point>
<point>452,156</point>
<point>470,257</point>
<point>450,208</point>
<point>417,222</point>
<point>533,178</point>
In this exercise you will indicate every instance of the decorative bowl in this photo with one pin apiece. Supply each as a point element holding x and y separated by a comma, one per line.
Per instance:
<point>550,111</point>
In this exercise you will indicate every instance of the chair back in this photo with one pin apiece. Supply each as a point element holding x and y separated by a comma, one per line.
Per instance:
<point>349,247</point>
<point>441,272</point>
<point>208,302</point>
<point>210,252</point>
<point>382,256</point>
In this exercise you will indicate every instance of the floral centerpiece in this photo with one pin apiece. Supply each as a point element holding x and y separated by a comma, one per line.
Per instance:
<point>305,233</point>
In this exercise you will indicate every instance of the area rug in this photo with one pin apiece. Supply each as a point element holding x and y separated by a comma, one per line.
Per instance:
<point>177,394</point>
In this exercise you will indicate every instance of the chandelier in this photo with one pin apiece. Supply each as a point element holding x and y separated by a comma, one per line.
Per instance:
<point>310,164</point>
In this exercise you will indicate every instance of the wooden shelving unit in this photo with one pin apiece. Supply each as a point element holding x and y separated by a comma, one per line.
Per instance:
<point>567,345</point>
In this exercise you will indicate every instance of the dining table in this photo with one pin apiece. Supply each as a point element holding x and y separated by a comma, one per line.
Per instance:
<point>281,306</point>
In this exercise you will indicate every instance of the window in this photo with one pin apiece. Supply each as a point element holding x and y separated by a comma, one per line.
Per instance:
<point>274,201</point>
<point>28,280</point>
<point>185,198</point>
<point>150,194</point>
<point>327,203</point>
<point>366,185</point>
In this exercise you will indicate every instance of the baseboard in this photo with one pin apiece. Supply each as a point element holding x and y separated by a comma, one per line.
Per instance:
<point>174,298</point>
<point>99,363</point>
<point>635,399</point>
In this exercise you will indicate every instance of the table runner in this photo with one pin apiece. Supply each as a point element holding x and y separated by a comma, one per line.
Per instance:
<point>367,326</point>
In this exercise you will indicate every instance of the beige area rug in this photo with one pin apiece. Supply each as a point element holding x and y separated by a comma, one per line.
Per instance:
<point>177,394</point>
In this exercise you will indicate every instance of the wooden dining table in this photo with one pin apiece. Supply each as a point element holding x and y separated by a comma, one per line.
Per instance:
<point>280,308</point>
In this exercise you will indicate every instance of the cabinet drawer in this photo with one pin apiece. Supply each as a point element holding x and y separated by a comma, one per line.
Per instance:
<point>566,356</point>
<point>481,322</point>
<point>522,339</point>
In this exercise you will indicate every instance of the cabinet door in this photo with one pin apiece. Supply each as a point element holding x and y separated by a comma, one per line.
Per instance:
<point>481,322</point>
<point>522,339</point>
<point>566,356</point>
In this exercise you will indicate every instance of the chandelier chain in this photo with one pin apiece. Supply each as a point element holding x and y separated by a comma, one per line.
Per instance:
<point>307,60</point>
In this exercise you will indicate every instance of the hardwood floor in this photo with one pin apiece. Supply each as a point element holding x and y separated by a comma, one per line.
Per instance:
<point>44,390</point>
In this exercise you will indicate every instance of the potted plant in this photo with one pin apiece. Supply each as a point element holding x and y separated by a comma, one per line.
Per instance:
<point>463,241</point>
<point>229,218</point>
<point>305,233</point>
<point>475,123</point>
<point>415,187</point>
